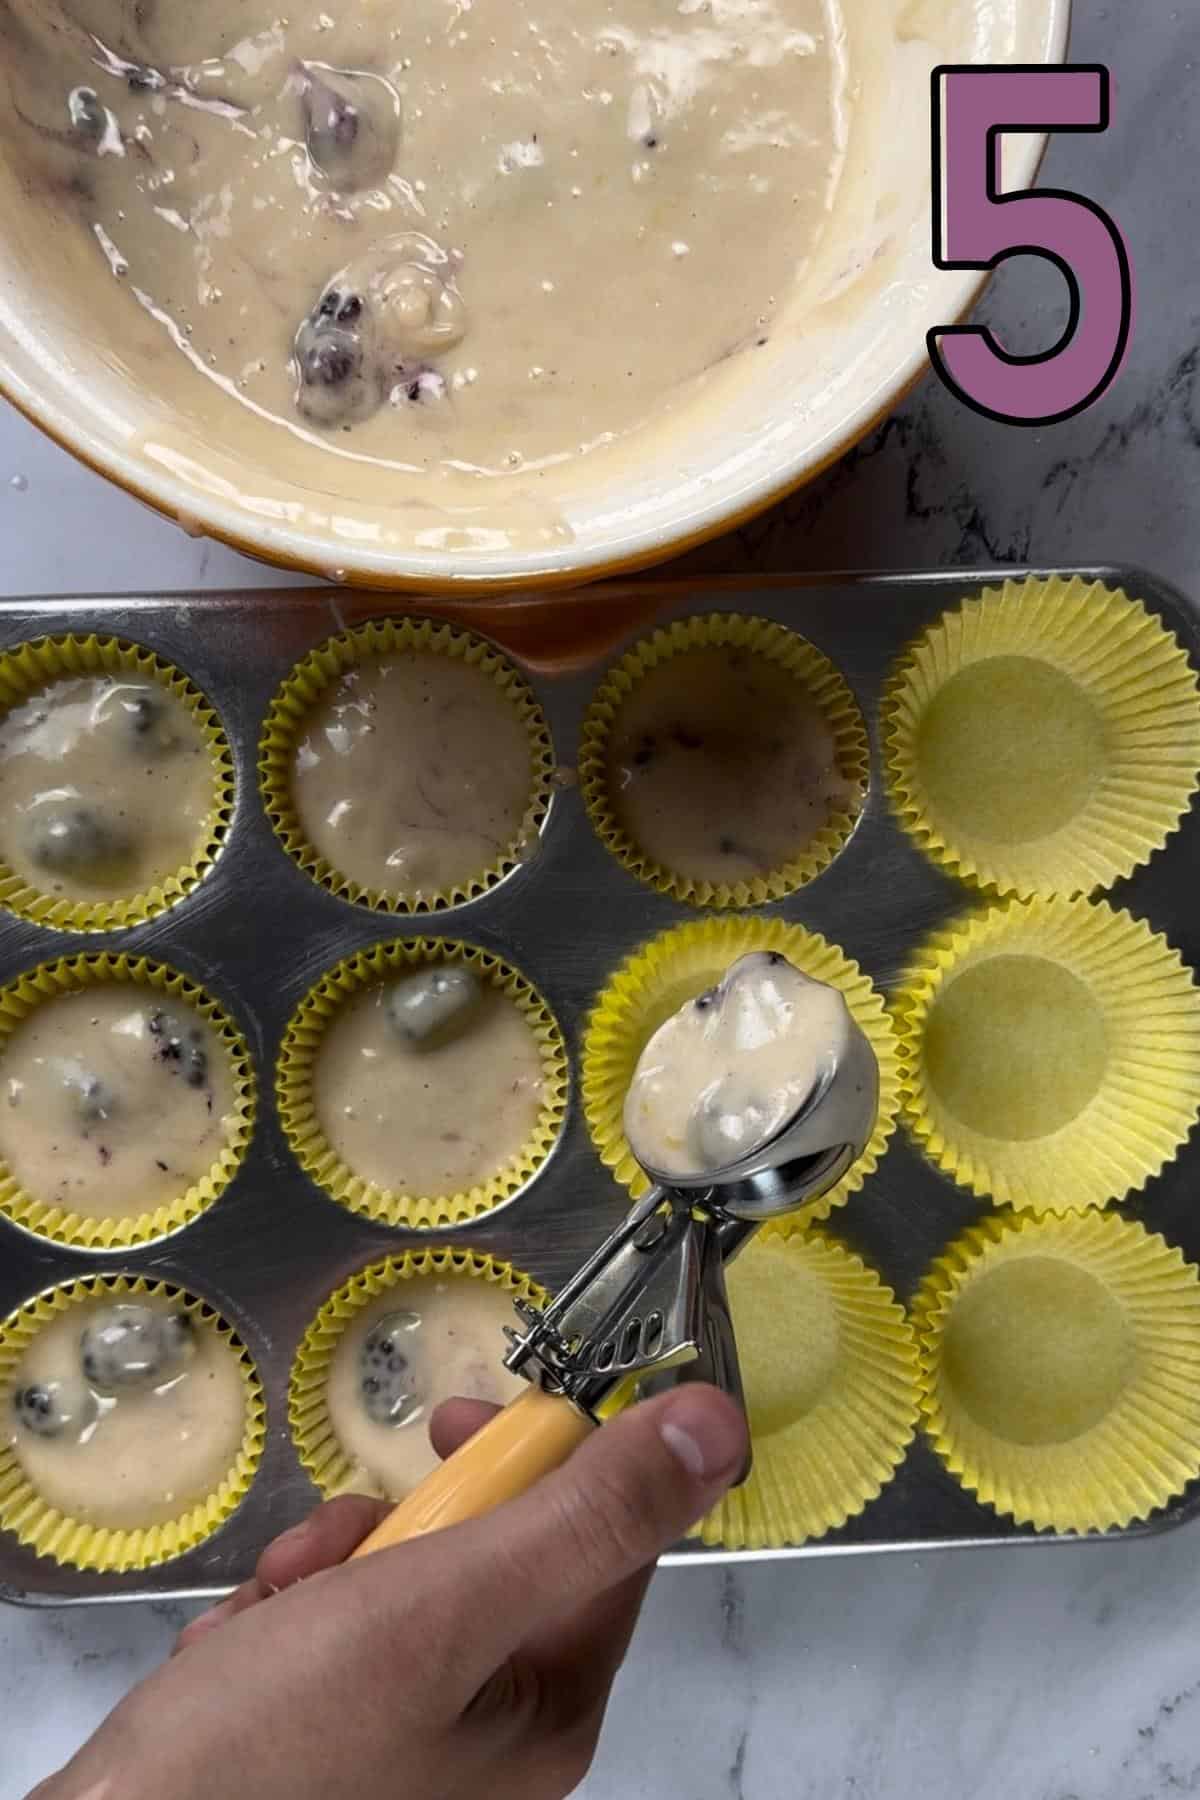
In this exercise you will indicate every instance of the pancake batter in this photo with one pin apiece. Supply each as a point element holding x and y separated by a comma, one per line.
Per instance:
<point>431,1117</point>
<point>106,787</point>
<point>113,1100</point>
<point>727,1072</point>
<point>722,768</point>
<point>125,1414</point>
<point>424,1341</point>
<point>395,228</point>
<point>414,775</point>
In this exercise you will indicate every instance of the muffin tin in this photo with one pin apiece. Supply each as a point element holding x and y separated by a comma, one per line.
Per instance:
<point>258,932</point>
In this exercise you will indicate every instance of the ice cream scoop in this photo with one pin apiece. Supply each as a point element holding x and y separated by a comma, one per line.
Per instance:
<point>768,1063</point>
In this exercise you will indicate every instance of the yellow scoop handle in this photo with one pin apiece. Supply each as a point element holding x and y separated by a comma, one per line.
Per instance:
<point>534,1435</point>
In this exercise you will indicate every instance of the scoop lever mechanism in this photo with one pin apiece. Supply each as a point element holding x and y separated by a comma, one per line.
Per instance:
<point>635,1308</point>
<point>650,1307</point>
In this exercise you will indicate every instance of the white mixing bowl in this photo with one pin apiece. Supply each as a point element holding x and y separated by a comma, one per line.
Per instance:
<point>77,356</point>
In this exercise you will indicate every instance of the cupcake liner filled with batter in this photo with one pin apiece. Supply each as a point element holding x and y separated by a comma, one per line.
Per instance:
<point>682,963</point>
<point>126,1101</point>
<point>1060,1369</point>
<point>422,1082</point>
<point>131,1423</point>
<point>383,1352</point>
<point>724,761</point>
<point>1052,1053</point>
<point>406,765</point>
<point>829,1367</point>
<point>1044,738</point>
<point>116,783</point>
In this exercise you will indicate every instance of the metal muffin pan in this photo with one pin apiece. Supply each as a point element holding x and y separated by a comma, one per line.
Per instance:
<point>257,933</point>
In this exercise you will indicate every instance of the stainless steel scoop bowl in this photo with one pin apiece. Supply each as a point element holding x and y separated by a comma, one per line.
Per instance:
<point>810,1153</point>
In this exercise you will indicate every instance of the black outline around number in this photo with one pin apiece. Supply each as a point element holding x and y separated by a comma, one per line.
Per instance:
<point>996,197</point>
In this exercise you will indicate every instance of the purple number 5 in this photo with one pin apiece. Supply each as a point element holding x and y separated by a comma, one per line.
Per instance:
<point>976,226</point>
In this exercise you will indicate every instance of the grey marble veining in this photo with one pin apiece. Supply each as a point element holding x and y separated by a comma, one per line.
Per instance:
<point>1068,1675</point>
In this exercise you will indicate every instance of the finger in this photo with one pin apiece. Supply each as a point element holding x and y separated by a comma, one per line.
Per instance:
<point>628,1494</point>
<point>323,1540</point>
<point>457,1420</point>
<point>333,1531</point>
<point>572,1667</point>
<point>593,1640</point>
<point>576,1658</point>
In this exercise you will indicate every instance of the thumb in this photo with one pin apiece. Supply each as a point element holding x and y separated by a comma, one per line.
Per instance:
<point>628,1494</point>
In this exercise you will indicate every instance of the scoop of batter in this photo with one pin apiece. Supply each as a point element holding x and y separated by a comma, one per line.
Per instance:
<point>395,1066</point>
<point>125,1414</point>
<point>414,774</point>
<point>417,1344</point>
<point>113,1100</point>
<point>727,1072</point>
<point>722,767</point>
<point>106,787</point>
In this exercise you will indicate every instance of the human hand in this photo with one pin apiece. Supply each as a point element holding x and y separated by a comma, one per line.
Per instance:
<point>476,1661</point>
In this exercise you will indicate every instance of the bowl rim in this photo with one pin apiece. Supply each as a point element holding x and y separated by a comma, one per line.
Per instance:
<point>438,573</point>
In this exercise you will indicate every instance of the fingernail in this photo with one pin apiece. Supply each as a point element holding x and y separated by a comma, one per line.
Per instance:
<point>705,1434</point>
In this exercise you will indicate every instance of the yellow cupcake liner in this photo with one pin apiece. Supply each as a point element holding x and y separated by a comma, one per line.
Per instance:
<point>70,975</point>
<point>307,686</point>
<point>813,672</point>
<point>829,1366</point>
<point>1066,1392</point>
<point>29,667</point>
<point>675,967</point>
<point>316,1441</point>
<point>1068,758</point>
<point>1074,1053</point>
<point>297,1064</point>
<point>73,1542</point>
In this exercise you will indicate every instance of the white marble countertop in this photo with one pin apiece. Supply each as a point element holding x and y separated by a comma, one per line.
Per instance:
<point>1049,1674</point>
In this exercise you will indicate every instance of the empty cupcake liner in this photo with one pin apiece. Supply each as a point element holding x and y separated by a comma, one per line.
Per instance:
<point>1060,1369</point>
<point>298,1061</point>
<point>829,1366</point>
<point>308,685</point>
<point>786,650</point>
<point>657,980</point>
<point>1052,1053</point>
<point>29,667</point>
<point>1044,738</point>
<point>73,1542</point>
<point>313,1434</point>
<point>70,975</point>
